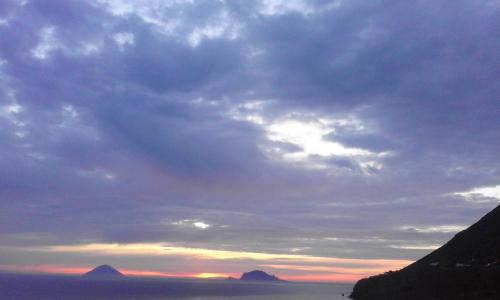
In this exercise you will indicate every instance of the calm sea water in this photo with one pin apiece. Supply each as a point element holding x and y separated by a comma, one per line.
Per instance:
<point>40,287</point>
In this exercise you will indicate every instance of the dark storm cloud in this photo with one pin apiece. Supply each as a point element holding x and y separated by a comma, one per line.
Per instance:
<point>131,137</point>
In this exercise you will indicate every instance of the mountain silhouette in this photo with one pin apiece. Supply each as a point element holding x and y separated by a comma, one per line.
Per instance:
<point>104,271</point>
<point>258,275</point>
<point>467,267</point>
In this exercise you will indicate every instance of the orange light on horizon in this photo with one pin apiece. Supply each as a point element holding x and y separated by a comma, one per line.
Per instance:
<point>211,275</point>
<point>162,249</point>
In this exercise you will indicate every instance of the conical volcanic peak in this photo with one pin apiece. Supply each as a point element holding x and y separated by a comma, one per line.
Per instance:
<point>258,275</point>
<point>104,271</point>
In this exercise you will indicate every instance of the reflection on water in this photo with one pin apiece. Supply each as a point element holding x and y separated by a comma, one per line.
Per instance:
<point>31,287</point>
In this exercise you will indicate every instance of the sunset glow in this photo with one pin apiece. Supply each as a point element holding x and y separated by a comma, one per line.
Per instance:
<point>199,253</point>
<point>211,275</point>
<point>290,266</point>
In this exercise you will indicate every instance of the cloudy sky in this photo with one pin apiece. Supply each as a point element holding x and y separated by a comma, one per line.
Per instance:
<point>316,140</point>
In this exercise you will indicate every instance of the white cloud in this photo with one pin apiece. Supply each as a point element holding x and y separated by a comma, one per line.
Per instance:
<point>12,112</point>
<point>124,39</point>
<point>208,32</point>
<point>434,229</point>
<point>482,194</point>
<point>166,17</point>
<point>11,109</point>
<point>190,223</point>
<point>279,7</point>
<point>415,247</point>
<point>201,225</point>
<point>117,7</point>
<point>70,111</point>
<point>47,43</point>
<point>250,111</point>
<point>308,133</point>
<point>223,27</point>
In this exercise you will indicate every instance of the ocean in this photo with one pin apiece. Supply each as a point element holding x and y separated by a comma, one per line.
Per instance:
<point>45,287</point>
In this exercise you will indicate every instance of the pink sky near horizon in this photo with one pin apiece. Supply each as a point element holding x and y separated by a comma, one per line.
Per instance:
<point>347,277</point>
<point>205,263</point>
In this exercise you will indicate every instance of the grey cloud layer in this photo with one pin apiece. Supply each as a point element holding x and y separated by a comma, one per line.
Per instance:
<point>102,141</point>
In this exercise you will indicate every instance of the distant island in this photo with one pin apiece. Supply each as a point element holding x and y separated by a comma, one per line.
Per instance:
<point>104,271</point>
<point>107,271</point>
<point>258,275</point>
<point>467,268</point>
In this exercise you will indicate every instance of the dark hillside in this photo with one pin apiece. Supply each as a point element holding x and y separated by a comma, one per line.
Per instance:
<point>467,267</point>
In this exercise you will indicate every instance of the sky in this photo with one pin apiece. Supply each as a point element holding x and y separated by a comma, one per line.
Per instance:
<point>315,140</point>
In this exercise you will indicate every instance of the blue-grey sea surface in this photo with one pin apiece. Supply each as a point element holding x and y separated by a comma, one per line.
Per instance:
<point>45,287</point>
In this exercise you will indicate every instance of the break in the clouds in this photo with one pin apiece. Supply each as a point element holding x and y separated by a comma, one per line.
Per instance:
<point>316,130</point>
